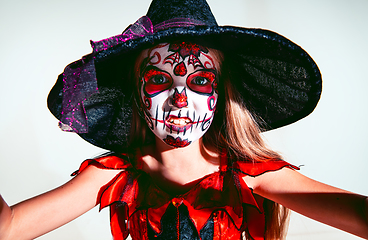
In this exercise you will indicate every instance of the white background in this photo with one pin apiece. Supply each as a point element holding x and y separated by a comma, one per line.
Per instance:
<point>39,38</point>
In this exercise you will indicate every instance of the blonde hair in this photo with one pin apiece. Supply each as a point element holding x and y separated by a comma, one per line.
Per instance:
<point>234,129</point>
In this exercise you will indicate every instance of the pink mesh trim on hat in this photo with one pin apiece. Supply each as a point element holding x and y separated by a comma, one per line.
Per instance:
<point>177,22</point>
<point>142,27</point>
<point>79,78</point>
<point>79,82</point>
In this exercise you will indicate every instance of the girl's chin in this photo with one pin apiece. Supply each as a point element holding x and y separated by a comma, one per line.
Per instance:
<point>175,141</point>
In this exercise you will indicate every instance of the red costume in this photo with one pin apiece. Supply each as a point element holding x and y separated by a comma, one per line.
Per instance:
<point>219,206</point>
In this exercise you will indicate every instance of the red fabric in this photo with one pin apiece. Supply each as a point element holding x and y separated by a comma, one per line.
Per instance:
<point>223,195</point>
<point>255,218</point>
<point>258,168</point>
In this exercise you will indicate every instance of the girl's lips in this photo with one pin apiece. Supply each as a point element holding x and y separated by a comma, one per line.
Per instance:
<point>178,124</point>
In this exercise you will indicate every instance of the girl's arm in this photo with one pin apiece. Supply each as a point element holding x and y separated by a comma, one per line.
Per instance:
<point>5,217</point>
<point>46,212</point>
<point>335,207</point>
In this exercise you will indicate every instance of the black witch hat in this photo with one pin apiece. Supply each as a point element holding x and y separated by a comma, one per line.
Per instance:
<point>278,81</point>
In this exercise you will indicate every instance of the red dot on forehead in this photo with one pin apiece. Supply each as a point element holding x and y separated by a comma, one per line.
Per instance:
<point>180,69</point>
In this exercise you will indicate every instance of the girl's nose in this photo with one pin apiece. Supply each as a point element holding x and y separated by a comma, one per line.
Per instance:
<point>180,99</point>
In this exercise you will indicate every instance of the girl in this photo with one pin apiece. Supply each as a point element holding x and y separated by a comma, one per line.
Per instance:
<point>146,92</point>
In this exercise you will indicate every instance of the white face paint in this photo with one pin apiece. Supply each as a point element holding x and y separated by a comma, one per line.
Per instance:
<point>178,88</point>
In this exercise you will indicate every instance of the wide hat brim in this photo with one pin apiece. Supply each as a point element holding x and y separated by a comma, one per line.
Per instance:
<point>277,80</point>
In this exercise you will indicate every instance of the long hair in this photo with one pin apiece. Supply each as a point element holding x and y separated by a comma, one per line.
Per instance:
<point>234,128</point>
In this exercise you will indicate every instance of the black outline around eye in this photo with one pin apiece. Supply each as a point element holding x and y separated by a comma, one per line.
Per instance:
<point>190,76</point>
<point>169,78</point>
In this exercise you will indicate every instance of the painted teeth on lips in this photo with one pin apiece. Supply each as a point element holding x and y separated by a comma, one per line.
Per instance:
<point>179,121</point>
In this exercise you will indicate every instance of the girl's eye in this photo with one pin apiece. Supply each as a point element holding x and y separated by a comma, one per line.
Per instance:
<point>158,79</point>
<point>155,81</point>
<point>200,81</point>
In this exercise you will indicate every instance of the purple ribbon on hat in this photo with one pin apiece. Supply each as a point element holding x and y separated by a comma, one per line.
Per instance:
<point>142,27</point>
<point>79,82</point>
<point>79,78</point>
<point>177,22</point>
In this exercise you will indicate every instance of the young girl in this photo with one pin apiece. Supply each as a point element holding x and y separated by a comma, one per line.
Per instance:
<point>201,83</point>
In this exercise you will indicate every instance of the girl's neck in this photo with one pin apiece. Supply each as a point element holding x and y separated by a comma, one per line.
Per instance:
<point>175,168</point>
<point>192,155</point>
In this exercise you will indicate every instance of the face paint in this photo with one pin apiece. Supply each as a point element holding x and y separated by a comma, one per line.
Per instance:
<point>178,89</point>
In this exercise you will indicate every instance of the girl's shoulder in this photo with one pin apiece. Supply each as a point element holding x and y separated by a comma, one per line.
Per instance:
<point>110,160</point>
<point>256,168</point>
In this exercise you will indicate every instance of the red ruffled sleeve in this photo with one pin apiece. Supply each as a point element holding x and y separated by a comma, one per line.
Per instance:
<point>121,190</point>
<point>106,162</point>
<point>254,217</point>
<point>258,168</point>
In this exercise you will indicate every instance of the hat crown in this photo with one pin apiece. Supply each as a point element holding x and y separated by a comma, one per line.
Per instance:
<point>166,10</point>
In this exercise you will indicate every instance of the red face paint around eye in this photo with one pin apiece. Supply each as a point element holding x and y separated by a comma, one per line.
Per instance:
<point>202,82</point>
<point>156,81</point>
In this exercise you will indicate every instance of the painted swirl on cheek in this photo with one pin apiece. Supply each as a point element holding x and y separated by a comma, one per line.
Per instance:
<point>147,102</point>
<point>211,103</point>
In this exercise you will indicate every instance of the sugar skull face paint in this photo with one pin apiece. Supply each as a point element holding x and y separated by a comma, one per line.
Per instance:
<point>178,84</point>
